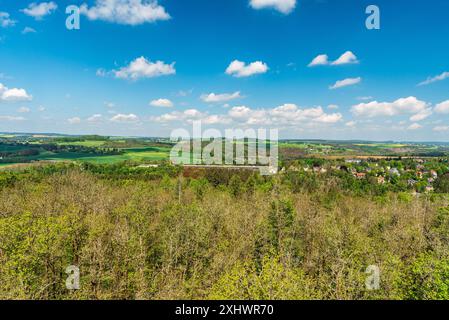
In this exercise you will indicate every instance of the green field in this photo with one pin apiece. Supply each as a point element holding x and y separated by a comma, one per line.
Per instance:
<point>138,154</point>
<point>106,150</point>
<point>381,145</point>
<point>98,149</point>
<point>88,143</point>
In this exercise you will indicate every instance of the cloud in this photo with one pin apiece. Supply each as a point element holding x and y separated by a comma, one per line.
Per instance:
<point>23,110</point>
<point>95,118</point>
<point>288,115</point>
<point>74,120</point>
<point>143,68</point>
<point>441,128</point>
<point>283,6</point>
<point>329,118</point>
<point>430,80</point>
<point>38,11</point>
<point>365,98</point>
<point>125,118</point>
<point>13,94</point>
<point>442,107</point>
<point>239,69</point>
<point>332,107</point>
<point>216,119</point>
<point>424,114</point>
<point>101,72</point>
<point>184,93</point>
<point>191,115</point>
<point>345,83</point>
<point>346,58</point>
<point>323,60</point>
<point>414,126</point>
<point>161,103</point>
<point>320,60</point>
<point>11,118</point>
<point>241,112</point>
<point>27,30</point>
<point>127,12</point>
<point>411,105</point>
<point>350,124</point>
<point>285,115</point>
<point>6,21</point>
<point>218,98</point>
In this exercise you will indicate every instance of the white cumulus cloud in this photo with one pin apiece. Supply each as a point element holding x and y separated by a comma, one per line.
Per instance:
<point>240,69</point>
<point>351,124</point>
<point>95,118</point>
<point>430,80</point>
<point>191,115</point>
<point>345,83</point>
<point>127,12</point>
<point>14,94</point>
<point>442,107</point>
<point>6,21</point>
<point>161,103</point>
<point>346,58</point>
<point>411,105</point>
<point>27,30</point>
<point>414,126</point>
<point>323,60</point>
<point>74,120</point>
<point>424,114</point>
<point>287,115</point>
<point>143,68</point>
<point>218,98</point>
<point>320,60</point>
<point>125,118</point>
<point>284,6</point>
<point>40,10</point>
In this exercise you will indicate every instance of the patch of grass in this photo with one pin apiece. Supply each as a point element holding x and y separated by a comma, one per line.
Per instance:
<point>87,143</point>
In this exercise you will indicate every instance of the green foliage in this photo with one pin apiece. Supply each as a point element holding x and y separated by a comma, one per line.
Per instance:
<point>273,281</point>
<point>200,187</point>
<point>150,233</point>
<point>442,184</point>
<point>280,221</point>
<point>427,278</point>
<point>236,186</point>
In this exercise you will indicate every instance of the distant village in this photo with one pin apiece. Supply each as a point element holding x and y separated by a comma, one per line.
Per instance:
<point>418,174</point>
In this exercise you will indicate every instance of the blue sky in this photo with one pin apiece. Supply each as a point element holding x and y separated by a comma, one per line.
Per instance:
<point>144,68</point>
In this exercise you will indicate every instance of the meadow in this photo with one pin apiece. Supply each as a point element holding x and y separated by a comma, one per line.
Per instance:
<point>80,149</point>
<point>98,149</point>
<point>149,154</point>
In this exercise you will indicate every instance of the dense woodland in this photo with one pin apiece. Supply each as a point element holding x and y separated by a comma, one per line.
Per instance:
<point>164,233</point>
